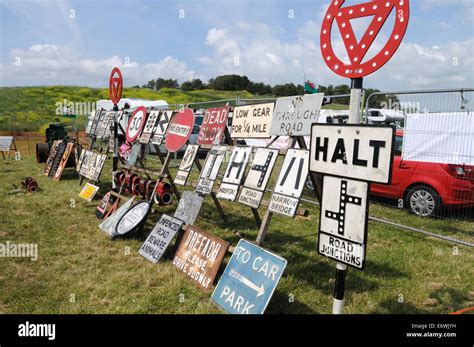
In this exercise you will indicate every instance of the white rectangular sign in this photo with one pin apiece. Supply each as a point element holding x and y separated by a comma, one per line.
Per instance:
<point>186,165</point>
<point>161,127</point>
<point>257,178</point>
<point>211,169</point>
<point>5,143</point>
<point>234,173</point>
<point>160,237</point>
<point>343,220</point>
<point>149,126</point>
<point>290,182</point>
<point>293,115</point>
<point>354,151</point>
<point>252,121</point>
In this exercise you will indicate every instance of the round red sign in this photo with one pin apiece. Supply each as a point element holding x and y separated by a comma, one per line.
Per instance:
<point>136,124</point>
<point>354,66</point>
<point>115,85</point>
<point>179,130</point>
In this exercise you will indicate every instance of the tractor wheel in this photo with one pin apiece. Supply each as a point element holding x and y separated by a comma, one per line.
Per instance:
<point>42,151</point>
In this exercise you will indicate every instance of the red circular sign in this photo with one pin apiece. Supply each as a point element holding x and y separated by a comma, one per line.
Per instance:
<point>136,124</point>
<point>179,130</point>
<point>115,85</point>
<point>356,50</point>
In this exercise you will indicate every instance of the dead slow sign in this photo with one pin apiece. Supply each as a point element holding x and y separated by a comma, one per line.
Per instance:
<point>213,126</point>
<point>354,151</point>
<point>200,255</point>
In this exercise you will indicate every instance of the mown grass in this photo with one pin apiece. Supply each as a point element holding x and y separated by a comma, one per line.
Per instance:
<point>405,272</point>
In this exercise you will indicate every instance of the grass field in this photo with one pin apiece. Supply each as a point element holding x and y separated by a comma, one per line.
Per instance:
<point>79,270</point>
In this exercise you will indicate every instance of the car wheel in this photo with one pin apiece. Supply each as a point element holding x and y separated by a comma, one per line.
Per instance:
<point>423,201</point>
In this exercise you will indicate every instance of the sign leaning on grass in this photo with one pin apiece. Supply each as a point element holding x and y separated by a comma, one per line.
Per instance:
<point>293,115</point>
<point>160,237</point>
<point>252,121</point>
<point>249,280</point>
<point>199,256</point>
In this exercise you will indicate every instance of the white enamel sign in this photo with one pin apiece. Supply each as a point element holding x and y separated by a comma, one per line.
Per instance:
<point>149,126</point>
<point>343,220</point>
<point>354,151</point>
<point>252,121</point>
<point>188,207</point>
<point>293,115</point>
<point>211,169</point>
<point>290,183</point>
<point>234,173</point>
<point>186,165</point>
<point>132,218</point>
<point>257,178</point>
<point>160,237</point>
<point>161,127</point>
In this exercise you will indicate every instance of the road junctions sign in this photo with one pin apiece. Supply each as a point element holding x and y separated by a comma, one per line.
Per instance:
<point>249,280</point>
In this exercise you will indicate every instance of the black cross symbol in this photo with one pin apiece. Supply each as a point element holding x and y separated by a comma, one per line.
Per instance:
<point>344,199</point>
<point>263,169</point>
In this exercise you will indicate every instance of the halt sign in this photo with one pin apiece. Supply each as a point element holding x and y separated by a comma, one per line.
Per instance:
<point>213,126</point>
<point>293,115</point>
<point>252,121</point>
<point>249,280</point>
<point>179,130</point>
<point>343,220</point>
<point>354,151</point>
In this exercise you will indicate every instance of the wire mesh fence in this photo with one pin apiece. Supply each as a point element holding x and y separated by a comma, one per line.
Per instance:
<point>433,171</point>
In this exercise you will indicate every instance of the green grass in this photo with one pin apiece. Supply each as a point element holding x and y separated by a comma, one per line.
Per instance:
<point>77,258</point>
<point>33,108</point>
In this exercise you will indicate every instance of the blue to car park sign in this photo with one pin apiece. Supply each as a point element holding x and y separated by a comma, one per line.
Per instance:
<point>249,280</point>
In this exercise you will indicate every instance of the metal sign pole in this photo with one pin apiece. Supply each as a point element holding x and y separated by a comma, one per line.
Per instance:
<point>354,118</point>
<point>115,159</point>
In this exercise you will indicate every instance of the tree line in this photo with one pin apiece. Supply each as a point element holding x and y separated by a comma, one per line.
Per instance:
<point>237,83</point>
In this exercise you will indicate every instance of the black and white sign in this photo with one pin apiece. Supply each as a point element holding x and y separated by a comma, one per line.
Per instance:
<point>293,115</point>
<point>109,224</point>
<point>343,220</point>
<point>290,183</point>
<point>161,127</point>
<point>132,218</point>
<point>354,151</point>
<point>186,165</point>
<point>160,237</point>
<point>92,124</point>
<point>103,127</point>
<point>257,178</point>
<point>149,126</point>
<point>234,173</point>
<point>188,207</point>
<point>211,169</point>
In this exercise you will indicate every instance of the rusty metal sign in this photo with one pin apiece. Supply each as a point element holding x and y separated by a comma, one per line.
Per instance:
<point>213,126</point>
<point>160,237</point>
<point>211,169</point>
<point>293,115</point>
<point>52,154</point>
<point>290,183</point>
<point>199,256</point>
<point>64,159</point>
<point>252,121</point>
<point>186,165</point>
<point>234,173</point>
<point>256,182</point>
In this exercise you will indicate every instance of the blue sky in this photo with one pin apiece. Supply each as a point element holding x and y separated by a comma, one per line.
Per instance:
<point>77,42</point>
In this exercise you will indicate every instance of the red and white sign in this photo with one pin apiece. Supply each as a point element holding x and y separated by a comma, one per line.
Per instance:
<point>115,85</point>
<point>380,10</point>
<point>179,130</point>
<point>213,126</point>
<point>136,124</point>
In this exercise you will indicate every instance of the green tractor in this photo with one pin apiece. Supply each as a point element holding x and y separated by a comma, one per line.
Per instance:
<point>53,132</point>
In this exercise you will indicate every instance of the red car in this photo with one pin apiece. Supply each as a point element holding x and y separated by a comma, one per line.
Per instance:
<point>425,188</point>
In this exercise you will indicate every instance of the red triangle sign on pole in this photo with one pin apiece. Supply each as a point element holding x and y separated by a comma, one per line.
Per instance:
<point>115,85</point>
<point>380,10</point>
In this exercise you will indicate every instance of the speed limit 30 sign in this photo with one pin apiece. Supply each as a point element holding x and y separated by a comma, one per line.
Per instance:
<point>136,124</point>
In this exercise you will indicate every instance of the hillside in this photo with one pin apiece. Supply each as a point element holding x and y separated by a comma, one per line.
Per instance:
<point>32,108</point>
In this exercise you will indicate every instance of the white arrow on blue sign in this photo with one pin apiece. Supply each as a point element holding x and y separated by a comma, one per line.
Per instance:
<point>249,280</point>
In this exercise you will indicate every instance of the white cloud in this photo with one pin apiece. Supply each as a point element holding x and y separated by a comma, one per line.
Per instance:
<point>51,64</point>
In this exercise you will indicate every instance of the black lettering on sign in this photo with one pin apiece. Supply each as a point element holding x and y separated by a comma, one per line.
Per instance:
<point>322,148</point>
<point>355,157</point>
<point>339,152</point>
<point>377,145</point>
